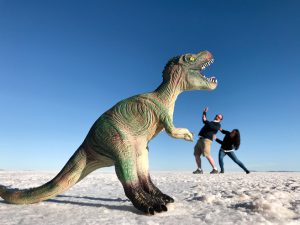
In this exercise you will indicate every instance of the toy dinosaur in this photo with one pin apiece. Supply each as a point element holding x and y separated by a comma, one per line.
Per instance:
<point>120,137</point>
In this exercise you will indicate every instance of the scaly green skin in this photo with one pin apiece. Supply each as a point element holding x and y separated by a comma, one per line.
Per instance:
<point>120,137</point>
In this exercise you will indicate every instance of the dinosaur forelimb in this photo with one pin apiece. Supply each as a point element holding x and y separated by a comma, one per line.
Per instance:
<point>181,133</point>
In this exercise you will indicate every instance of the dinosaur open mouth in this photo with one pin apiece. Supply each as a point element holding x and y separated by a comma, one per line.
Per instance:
<point>203,67</point>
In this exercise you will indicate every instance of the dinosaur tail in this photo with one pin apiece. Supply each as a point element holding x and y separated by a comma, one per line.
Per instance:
<point>67,177</point>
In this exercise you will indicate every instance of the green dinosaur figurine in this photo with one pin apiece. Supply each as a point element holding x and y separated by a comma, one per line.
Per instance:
<point>120,137</point>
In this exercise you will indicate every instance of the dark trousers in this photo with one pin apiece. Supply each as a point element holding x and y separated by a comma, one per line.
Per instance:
<point>233,157</point>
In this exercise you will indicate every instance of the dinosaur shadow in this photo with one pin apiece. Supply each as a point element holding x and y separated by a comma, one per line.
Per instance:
<point>89,204</point>
<point>93,198</point>
<point>127,208</point>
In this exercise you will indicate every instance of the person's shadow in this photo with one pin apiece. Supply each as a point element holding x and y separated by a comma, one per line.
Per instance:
<point>59,199</point>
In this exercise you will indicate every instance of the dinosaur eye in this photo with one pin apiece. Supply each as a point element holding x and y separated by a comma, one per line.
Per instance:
<point>192,58</point>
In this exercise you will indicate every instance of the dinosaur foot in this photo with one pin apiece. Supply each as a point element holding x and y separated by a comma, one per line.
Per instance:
<point>145,202</point>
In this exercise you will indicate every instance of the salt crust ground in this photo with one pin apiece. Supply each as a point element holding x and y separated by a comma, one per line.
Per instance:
<point>232,198</point>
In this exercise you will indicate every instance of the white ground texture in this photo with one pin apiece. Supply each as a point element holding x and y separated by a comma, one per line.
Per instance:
<point>230,198</point>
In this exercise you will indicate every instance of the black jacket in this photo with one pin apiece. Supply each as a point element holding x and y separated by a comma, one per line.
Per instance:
<point>227,143</point>
<point>209,129</point>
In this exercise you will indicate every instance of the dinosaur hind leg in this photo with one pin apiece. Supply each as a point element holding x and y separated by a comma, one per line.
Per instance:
<point>66,178</point>
<point>145,179</point>
<point>127,172</point>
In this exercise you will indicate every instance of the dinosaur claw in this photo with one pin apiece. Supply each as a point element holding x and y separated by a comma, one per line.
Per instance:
<point>151,211</point>
<point>171,200</point>
<point>168,199</point>
<point>158,208</point>
<point>164,208</point>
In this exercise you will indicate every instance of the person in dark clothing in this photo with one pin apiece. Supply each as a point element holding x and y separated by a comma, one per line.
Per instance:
<point>203,145</point>
<point>230,143</point>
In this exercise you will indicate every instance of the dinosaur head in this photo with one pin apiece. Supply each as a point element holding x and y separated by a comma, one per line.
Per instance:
<point>187,71</point>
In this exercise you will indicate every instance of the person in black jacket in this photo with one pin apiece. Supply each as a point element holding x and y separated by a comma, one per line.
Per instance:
<point>230,143</point>
<point>203,145</point>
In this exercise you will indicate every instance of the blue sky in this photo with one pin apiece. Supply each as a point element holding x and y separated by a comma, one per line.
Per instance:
<point>64,63</point>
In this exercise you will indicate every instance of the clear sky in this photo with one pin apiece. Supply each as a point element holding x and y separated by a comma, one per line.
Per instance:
<point>64,63</point>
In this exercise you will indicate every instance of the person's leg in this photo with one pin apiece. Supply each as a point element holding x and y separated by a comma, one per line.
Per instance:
<point>221,162</point>
<point>206,152</point>
<point>198,161</point>
<point>235,159</point>
<point>211,162</point>
<point>197,154</point>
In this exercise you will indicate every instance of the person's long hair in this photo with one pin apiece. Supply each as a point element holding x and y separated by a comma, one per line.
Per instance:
<point>236,139</point>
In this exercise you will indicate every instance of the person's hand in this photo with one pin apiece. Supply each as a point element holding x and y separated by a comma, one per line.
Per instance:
<point>205,109</point>
<point>221,129</point>
<point>214,137</point>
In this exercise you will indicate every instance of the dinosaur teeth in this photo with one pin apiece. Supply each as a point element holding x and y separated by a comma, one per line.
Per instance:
<point>207,64</point>
<point>210,62</point>
<point>212,79</point>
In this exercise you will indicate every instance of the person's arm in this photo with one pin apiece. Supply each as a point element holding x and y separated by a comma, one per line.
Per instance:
<point>219,141</point>
<point>204,119</point>
<point>224,131</point>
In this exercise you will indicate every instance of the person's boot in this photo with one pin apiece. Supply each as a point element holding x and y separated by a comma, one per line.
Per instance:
<point>214,171</point>
<point>198,171</point>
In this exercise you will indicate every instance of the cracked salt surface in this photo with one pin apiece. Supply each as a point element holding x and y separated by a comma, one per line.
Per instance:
<point>230,198</point>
